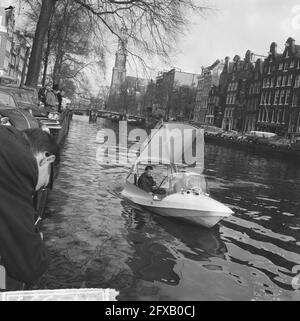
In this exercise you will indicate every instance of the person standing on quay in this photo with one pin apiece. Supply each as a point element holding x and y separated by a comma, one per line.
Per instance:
<point>51,100</point>
<point>59,97</point>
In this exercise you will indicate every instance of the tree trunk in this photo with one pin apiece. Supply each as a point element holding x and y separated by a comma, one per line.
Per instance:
<point>57,67</point>
<point>46,59</point>
<point>35,61</point>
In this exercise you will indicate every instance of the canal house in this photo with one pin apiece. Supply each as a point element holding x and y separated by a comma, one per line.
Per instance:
<point>240,75</point>
<point>253,97</point>
<point>279,103</point>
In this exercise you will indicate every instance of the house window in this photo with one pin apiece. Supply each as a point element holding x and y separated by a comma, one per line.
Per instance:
<point>295,100</point>
<point>286,66</point>
<point>263,115</point>
<point>273,116</point>
<point>292,65</point>
<point>278,116</point>
<point>298,64</point>
<point>276,97</point>
<point>234,99</point>
<point>280,66</point>
<point>266,98</point>
<point>281,99</point>
<point>272,82</point>
<point>283,81</point>
<point>270,69</point>
<point>270,97</point>
<point>283,117</point>
<point>290,80</point>
<point>266,115</point>
<point>279,79</point>
<point>262,98</point>
<point>287,97</point>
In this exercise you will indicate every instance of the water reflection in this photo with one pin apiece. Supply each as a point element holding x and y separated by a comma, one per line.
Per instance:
<point>159,245</point>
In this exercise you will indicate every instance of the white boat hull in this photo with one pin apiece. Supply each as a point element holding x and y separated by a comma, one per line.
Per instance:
<point>198,209</point>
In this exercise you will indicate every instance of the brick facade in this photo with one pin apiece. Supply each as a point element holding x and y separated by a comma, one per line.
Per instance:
<point>239,75</point>
<point>209,77</point>
<point>279,102</point>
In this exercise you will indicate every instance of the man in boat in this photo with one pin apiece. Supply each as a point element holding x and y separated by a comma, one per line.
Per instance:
<point>25,166</point>
<point>148,184</point>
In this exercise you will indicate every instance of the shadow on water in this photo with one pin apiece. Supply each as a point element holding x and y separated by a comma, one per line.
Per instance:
<point>158,244</point>
<point>203,243</point>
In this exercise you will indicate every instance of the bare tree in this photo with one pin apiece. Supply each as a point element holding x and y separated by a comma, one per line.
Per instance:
<point>35,60</point>
<point>151,25</point>
<point>69,47</point>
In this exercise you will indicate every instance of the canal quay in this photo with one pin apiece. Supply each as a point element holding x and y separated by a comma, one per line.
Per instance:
<point>97,240</point>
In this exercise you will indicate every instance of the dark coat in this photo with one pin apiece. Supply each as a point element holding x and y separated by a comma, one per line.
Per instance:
<point>21,248</point>
<point>146,183</point>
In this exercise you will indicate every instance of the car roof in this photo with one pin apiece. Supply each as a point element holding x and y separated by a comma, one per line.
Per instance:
<point>16,91</point>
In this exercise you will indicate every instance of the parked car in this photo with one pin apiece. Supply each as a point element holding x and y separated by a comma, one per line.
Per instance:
<point>21,119</point>
<point>262,134</point>
<point>24,98</point>
<point>11,115</point>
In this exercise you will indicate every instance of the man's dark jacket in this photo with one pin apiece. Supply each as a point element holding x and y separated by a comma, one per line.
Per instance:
<point>146,183</point>
<point>21,248</point>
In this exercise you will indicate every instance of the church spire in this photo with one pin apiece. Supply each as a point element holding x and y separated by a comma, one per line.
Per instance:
<point>119,70</point>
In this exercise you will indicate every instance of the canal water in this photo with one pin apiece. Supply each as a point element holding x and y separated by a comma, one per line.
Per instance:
<point>97,240</point>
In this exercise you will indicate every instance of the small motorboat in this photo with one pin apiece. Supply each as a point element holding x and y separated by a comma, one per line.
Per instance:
<point>185,194</point>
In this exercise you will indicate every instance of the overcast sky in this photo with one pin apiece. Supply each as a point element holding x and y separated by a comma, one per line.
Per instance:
<point>231,27</point>
<point>234,26</point>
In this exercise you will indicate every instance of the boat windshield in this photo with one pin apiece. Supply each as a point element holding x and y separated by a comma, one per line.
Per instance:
<point>182,182</point>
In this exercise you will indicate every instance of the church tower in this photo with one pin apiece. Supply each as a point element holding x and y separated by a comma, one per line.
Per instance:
<point>119,70</point>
